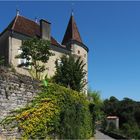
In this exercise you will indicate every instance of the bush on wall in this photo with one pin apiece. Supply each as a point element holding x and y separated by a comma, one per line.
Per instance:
<point>57,112</point>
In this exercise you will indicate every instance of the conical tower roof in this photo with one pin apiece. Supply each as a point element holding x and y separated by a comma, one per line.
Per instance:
<point>72,32</point>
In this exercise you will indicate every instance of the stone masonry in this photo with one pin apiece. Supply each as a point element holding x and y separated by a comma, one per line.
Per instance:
<point>15,91</point>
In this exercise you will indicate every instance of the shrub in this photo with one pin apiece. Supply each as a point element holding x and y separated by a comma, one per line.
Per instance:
<point>57,112</point>
<point>70,73</point>
<point>131,132</point>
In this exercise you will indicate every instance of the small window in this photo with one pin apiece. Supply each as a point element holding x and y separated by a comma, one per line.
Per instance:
<point>22,61</point>
<point>78,52</point>
<point>59,62</point>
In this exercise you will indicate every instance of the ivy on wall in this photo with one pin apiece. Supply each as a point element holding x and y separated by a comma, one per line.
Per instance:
<point>57,112</point>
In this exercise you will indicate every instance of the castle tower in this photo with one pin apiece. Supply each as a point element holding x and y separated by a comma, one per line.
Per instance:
<point>72,40</point>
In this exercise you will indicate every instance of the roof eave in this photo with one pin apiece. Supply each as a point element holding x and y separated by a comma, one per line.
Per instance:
<point>78,43</point>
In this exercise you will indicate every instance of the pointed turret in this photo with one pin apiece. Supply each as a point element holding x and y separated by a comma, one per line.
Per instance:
<point>72,35</point>
<point>72,32</point>
<point>73,42</point>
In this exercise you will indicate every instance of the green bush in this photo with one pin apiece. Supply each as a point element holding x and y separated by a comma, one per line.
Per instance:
<point>131,129</point>
<point>57,112</point>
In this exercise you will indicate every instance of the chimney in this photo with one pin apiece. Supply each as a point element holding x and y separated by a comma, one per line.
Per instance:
<point>45,28</point>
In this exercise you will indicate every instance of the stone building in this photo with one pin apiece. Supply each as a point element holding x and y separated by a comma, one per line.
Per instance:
<point>112,120</point>
<point>22,28</point>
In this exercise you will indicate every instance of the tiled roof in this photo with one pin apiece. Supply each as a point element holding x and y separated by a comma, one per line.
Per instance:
<point>72,32</point>
<point>54,42</point>
<point>28,27</point>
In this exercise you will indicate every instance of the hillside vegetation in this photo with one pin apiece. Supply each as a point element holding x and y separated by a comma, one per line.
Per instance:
<point>128,112</point>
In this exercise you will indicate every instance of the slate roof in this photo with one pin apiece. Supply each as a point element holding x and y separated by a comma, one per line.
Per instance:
<point>72,32</point>
<point>28,27</point>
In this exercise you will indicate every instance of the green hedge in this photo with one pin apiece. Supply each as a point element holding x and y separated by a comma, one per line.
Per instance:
<point>57,112</point>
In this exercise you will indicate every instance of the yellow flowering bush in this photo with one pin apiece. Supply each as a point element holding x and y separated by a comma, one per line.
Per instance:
<point>57,112</point>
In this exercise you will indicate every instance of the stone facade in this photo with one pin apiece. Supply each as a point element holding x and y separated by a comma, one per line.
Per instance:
<point>58,52</point>
<point>112,120</point>
<point>16,91</point>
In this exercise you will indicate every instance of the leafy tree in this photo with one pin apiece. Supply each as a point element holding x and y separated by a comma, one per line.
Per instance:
<point>128,112</point>
<point>111,106</point>
<point>131,129</point>
<point>137,114</point>
<point>70,73</point>
<point>36,52</point>
<point>96,98</point>
<point>98,103</point>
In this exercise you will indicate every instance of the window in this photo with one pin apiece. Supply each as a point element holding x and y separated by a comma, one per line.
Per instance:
<point>59,62</point>
<point>78,52</point>
<point>22,61</point>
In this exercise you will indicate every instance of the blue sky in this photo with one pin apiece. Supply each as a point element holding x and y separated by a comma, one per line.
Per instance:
<point>111,30</point>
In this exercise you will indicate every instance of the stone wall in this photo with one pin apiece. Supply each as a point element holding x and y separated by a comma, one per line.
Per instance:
<point>15,91</point>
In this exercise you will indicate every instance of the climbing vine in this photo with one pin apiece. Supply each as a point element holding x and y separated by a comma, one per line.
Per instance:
<point>57,112</point>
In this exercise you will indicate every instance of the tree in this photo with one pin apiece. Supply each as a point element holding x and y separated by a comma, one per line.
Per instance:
<point>98,103</point>
<point>36,52</point>
<point>111,106</point>
<point>70,72</point>
<point>128,112</point>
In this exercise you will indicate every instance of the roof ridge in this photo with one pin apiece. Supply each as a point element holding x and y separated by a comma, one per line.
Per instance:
<point>27,27</point>
<point>56,40</point>
<point>72,20</point>
<point>28,19</point>
<point>14,22</point>
<point>78,31</point>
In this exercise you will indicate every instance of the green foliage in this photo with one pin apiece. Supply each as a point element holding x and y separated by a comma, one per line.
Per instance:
<point>128,112</point>
<point>98,103</point>
<point>98,114</point>
<point>57,112</point>
<point>70,73</point>
<point>131,129</point>
<point>36,52</point>
<point>111,106</point>
<point>1,60</point>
